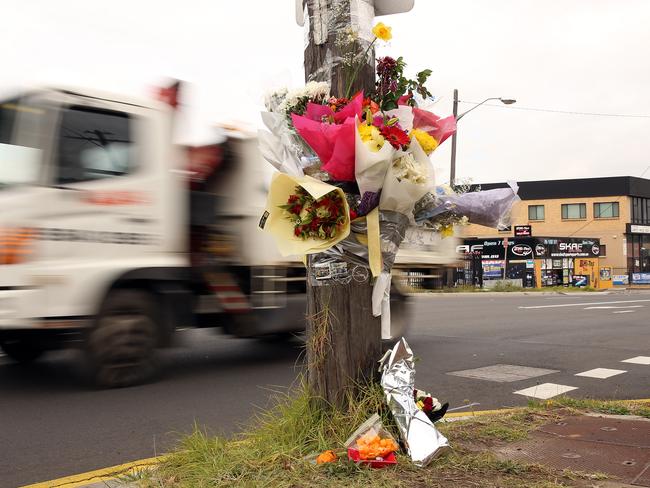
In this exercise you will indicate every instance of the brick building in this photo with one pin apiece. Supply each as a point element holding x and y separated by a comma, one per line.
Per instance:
<point>615,210</point>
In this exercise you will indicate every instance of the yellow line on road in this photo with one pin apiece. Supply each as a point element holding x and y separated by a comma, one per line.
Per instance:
<point>97,475</point>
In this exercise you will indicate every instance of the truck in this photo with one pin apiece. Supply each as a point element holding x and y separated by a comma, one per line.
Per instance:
<point>112,236</point>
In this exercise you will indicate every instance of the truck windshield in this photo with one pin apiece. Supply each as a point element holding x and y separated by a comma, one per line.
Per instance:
<point>20,155</point>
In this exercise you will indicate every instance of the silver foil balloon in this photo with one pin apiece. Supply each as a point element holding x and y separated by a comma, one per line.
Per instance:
<point>422,440</point>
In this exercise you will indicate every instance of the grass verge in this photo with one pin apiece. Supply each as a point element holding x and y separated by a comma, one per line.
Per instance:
<point>610,407</point>
<point>275,451</point>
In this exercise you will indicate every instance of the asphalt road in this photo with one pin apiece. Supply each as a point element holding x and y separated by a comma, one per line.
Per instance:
<point>53,425</point>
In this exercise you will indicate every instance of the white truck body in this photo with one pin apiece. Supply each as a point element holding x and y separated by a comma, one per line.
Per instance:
<point>95,200</point>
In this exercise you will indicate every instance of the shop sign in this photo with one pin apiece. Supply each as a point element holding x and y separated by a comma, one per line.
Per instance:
<point>641,278</point>
<point>580,280</point>
<point>530,263</point>
<point>523,230</point>
<point>540,250</point>
<point>576,249</point>
<point>639,229</point>
<point>521,250</point>
<point>606,273</point>
<point>621,279</point>
<point>492,270</point>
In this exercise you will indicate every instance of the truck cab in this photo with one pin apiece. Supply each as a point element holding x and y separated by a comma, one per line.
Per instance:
<point>93,202</point>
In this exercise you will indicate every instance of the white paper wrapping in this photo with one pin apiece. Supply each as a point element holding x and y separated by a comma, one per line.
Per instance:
<point>402,195</point>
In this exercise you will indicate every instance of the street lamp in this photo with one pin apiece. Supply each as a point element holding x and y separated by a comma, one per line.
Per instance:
<point>452,172</point>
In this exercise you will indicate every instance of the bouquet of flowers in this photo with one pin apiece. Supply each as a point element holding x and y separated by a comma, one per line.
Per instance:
<point>373,148</point>
<point>430,405</point>
<point>319,218</point>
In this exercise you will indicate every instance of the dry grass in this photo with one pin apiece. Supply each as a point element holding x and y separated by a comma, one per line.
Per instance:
<point>274,452</point>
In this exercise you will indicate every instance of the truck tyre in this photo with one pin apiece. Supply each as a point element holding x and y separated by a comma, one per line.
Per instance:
<point>21,350</point>
<point>121,347</point>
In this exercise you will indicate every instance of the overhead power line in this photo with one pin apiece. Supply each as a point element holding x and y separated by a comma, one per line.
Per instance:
<point>566,112</point>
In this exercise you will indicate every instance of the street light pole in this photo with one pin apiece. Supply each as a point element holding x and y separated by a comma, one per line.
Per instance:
<point>452,170</point>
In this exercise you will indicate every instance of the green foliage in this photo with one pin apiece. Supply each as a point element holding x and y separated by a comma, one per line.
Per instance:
<point>611,407</point>
<point>392,84</point>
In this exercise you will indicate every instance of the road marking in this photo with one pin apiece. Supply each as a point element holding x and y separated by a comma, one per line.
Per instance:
<point>582,304</point>
<point>545,391</point>
<point>98,475</point>
<point>625,311</point>
<point>614,306</point>
<point>503,373</point>
<point>638,360</point>
<point>601,373</point>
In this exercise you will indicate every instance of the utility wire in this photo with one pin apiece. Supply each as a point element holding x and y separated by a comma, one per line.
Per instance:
<point>566,112</point>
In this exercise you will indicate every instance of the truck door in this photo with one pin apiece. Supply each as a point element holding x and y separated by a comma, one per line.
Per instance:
<point>103,212</point>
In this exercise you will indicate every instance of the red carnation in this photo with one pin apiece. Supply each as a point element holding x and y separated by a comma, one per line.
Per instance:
<point>396,136</point>
<point>353,214</point>
<point>293,198</point>
<point>428,404</point>
<point>296,209</point>
<point>297,231</point>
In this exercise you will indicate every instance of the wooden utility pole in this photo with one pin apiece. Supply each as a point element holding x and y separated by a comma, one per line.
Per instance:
<point>343,337</point>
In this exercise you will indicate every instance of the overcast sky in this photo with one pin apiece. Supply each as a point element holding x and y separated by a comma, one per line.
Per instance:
<point>569,55</point>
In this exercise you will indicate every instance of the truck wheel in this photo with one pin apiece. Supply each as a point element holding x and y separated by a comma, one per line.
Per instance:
<point>121,347</point>
<point>21,350</point>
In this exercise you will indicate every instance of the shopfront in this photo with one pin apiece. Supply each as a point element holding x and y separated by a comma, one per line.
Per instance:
<point>535,262</point>
<point>638,254</point>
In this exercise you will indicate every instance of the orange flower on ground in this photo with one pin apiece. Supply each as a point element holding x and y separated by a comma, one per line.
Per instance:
<point>326,457</point>
<point>371,446</point>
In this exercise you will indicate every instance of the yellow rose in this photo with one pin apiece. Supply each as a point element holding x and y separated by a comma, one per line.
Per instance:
<point>427,142</point>
<point>371,137</point>
<point>382,31</point>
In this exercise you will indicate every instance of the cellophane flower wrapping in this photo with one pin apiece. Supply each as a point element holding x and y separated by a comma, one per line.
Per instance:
<point>370,169</point>
<point>331,140</point>
<point>409,177</point>
<point>421,439</point>
<point>491,208</point>
<point>276,221</point>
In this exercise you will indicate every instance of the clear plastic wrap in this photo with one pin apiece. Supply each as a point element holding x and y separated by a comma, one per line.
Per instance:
<point>491,208</point>
<point>349,260</point>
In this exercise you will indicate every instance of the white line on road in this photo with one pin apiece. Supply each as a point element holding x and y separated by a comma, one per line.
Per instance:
<point>638,360</point>
<point>614,306</point>
<point>545,390</point>
<point>601,373</point>
<point>625,311</point>
<point>583,304</point>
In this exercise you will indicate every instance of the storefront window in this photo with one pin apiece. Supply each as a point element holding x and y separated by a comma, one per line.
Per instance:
<point>640,210</point>
<point>608,210</point>
<point>638,259</point>
<point>574,211</point>
<point>535,212</point>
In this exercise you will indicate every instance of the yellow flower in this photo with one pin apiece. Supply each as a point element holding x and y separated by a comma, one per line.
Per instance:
<point>382,32</point>
<point>371,137</point>
<point>447,231</point>
<point>427,142</point>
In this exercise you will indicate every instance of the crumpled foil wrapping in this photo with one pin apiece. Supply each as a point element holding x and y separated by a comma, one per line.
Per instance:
<point>422,440</point>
